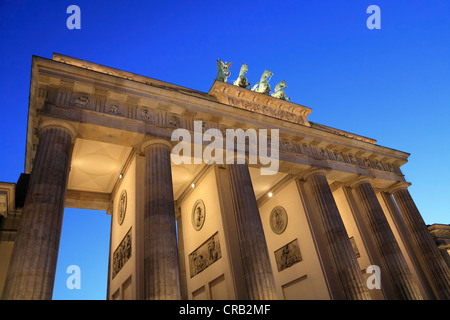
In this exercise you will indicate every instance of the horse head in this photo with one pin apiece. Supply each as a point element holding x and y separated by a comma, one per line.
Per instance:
<point>266,75</point>
<point>281,84</point>
<point>244,68</point>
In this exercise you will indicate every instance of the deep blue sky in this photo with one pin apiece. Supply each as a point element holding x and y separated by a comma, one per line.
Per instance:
<point>392,84</point>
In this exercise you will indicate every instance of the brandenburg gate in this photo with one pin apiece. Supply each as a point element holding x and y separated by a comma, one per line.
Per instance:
<point>332,219</point>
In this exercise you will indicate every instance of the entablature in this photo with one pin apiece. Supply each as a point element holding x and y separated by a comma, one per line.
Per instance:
<point>86,96</point>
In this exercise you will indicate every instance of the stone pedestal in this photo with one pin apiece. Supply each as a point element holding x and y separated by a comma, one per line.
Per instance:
<point>435,265</point>
<point>32,268</point>
<point>337,240</point>
<point>386,243</point>
<point>255,257</point>
<point>161,267</point>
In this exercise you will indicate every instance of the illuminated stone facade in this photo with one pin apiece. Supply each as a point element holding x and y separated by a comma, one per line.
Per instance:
<point>100,138</point>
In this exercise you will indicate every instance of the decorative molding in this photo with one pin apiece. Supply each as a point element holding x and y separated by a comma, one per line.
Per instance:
<point>198,215</point>
<point>146,114</point>
<point>66,84</point>
<point>122,207</point>
<point>173,121</point>
<point>166,119</point>
<point>81,100</point>
<point>279,113</point>
<point>278,220</point>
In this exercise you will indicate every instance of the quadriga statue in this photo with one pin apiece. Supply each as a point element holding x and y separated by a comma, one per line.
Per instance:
<point>263,85</point>
<point>241,81</point>
<point>279,91</point>
<point>223,70</point>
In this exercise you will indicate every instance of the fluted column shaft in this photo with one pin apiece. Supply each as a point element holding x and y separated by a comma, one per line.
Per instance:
<point>386,243</point>
<point>338,242</point>
<point>258,274</point>
<point>161,267</point>
<point>31,273</point>
<point>438,269</point>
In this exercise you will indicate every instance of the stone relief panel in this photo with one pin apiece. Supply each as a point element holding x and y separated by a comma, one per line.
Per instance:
<point>287,145</point>
<point>323,153</point>
<point>122,254</point>
<point>306,149</point>
<point>273,112</point>
<point>198,214</point>
<point>349,158</point>
<point>278,220</point>
<point>338,156</point>
<point>114,108</point>
<point>205,255</point>
<point>145,114</point>
<point>288,255</point>
<point>173,121</point>
<point>81,100</point>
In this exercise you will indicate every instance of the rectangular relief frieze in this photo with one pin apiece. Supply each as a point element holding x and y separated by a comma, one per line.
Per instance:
<point>205,255</point>
<point>288,255</point>
<point>122,254</point>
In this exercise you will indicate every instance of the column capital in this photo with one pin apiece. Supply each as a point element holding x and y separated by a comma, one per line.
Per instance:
<point>357,181</point>
<point>147,143</point>
<point>311,172</point>
<point>398,186</point>
<point>60,124</point>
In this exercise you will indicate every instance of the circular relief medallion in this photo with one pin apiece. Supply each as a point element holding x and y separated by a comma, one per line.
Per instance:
<point>198,215</point>
<point>122,207</point>
<point>278,220</point>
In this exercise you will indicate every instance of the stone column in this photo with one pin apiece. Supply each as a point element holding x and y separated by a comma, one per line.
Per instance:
<point>338,242</point>
<point>405,287</point>
<point>161,267</point>
<point>31,272</point>
<point>433,261</point>
<point>258,274</point>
